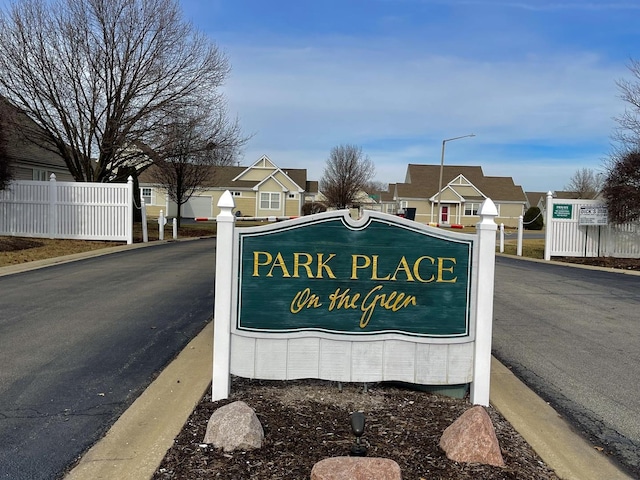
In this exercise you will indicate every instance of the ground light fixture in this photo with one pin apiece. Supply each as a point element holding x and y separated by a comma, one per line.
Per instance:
<point>357,427</point>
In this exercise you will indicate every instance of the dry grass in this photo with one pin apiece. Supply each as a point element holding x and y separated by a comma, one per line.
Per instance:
<point>18,250</point>
<point>533,248</point>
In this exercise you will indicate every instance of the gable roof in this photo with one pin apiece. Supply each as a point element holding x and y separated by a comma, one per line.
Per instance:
<point>19,149</point>
<point>226,177</point>
<point>423,181</point>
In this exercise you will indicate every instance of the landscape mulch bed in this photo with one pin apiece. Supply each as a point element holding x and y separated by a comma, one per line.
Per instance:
<point>606,262</point>
<point>306,421</point>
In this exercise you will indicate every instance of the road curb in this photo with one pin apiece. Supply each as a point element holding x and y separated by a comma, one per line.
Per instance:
<point>135,445</point>
<point>553,439</point>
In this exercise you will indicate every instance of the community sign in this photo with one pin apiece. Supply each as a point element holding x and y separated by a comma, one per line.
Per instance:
<point>337,276</point>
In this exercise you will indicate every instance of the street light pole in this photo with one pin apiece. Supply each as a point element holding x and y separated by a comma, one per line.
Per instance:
<point>442,166</point>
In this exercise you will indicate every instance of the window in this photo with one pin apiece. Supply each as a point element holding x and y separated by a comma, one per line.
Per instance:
<point>40,175</point>
<point>146,194</point>
<point>269,201</point>
<point>471,209</point>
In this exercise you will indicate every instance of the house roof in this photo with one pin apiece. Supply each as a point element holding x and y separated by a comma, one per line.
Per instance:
<point>534,198</point>
<point>223,177</point>
<point>19,149</point>
<point>387,196</point>
<point>423,182</point>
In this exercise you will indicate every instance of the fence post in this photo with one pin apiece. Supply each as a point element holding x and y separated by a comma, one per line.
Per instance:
<point>486,260</point>
<point>175,228</point>
<point>53,206</point>
<point>548,226</point>
<point>502,238</point>
<point>161,223</point>
<point>145,229</point>
<point>223,292</point>
<point>520,228</point>
<point>129,230</point>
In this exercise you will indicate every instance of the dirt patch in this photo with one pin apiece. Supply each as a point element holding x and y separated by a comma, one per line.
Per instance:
<point>12,244</point>
<point>307,421</point>
<point>607,262</point>
<point>18,250</point>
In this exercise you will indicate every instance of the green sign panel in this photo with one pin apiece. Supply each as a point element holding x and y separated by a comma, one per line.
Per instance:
<point>329,276</point>
<point>563,211</point>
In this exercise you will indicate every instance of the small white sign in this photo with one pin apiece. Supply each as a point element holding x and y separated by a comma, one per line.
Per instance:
<point>593,215</point>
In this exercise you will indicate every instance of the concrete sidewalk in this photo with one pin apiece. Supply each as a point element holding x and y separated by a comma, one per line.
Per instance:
<point>136,444</point>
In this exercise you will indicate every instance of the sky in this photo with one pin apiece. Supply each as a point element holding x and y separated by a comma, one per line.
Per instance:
<point>534,80</point>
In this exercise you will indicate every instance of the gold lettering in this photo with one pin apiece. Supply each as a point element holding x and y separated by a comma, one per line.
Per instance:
<point>416,269</point>
<point>341,299</point>
<point>306,265</point>
<point>279,262</point>
<point>403,266</point>
<point>257,263</point>
<point>355,265</point>
<point>442,268</point>
<point>304,299</point>
<point>374,272</point>
<point>394,301</point>
<point>322,265</point>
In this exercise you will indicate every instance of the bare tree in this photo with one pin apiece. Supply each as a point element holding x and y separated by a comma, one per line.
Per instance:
<point>346,174</point>
<point>622,185</point>
<point>585,182</point>
<point>100,76</point>
<point>6,175</point>
<point>627,133</point>
<point>190,147</point>
<point>622,189</point>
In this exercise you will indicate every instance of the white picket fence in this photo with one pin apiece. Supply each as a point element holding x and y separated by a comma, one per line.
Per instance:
<point>72,210</point>
<point>565,237</point>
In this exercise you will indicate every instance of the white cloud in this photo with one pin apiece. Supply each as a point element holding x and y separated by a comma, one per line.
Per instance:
<point>300,102</point>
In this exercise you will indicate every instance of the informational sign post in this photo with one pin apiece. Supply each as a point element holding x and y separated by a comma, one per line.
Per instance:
<point>562,211</point>
<point>593,215</point>
<point>380,298</point>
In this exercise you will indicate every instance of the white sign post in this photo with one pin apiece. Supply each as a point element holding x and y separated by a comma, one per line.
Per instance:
<point>593,215</point>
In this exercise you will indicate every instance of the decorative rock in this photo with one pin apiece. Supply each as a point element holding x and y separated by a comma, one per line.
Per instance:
<point>234,427</point>
<point>356,468</point>
<point>472,439</point>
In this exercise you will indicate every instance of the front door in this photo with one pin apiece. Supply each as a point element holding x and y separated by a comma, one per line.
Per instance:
<point>444,214</point>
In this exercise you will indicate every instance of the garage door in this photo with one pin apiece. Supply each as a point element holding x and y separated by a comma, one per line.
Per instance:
<point>197,207</point>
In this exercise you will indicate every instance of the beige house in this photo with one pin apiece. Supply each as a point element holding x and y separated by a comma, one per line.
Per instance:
<point>260,190</point>
<point>29,161</point>
<point>464,188</point>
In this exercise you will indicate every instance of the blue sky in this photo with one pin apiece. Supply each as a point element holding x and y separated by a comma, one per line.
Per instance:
<point>533,79</point>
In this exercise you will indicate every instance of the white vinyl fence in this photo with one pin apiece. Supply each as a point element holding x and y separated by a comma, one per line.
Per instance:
<point>579,228</point>
<point>75,210</point>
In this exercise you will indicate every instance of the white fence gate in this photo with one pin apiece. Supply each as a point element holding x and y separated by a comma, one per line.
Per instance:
<point>567,236</point>
<point>74,210</point>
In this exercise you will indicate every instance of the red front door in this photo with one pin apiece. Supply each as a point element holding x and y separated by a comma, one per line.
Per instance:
<point>444,214</point>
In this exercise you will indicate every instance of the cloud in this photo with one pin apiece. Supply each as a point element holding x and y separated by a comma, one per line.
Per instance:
<point>301,101</point>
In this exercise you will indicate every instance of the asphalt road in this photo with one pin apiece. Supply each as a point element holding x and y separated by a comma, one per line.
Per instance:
<point>573,336</point>
<point>80,341</point>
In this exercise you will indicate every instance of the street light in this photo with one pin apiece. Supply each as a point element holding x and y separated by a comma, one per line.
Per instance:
<point>442,166</point>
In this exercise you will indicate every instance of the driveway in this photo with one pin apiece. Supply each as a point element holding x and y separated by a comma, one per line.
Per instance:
<point>573,336</point>
<point>80,341</point>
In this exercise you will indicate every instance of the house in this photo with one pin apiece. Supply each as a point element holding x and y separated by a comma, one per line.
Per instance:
<point>27,160</point>
<point>464,188</point>
<point>260,190</point>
